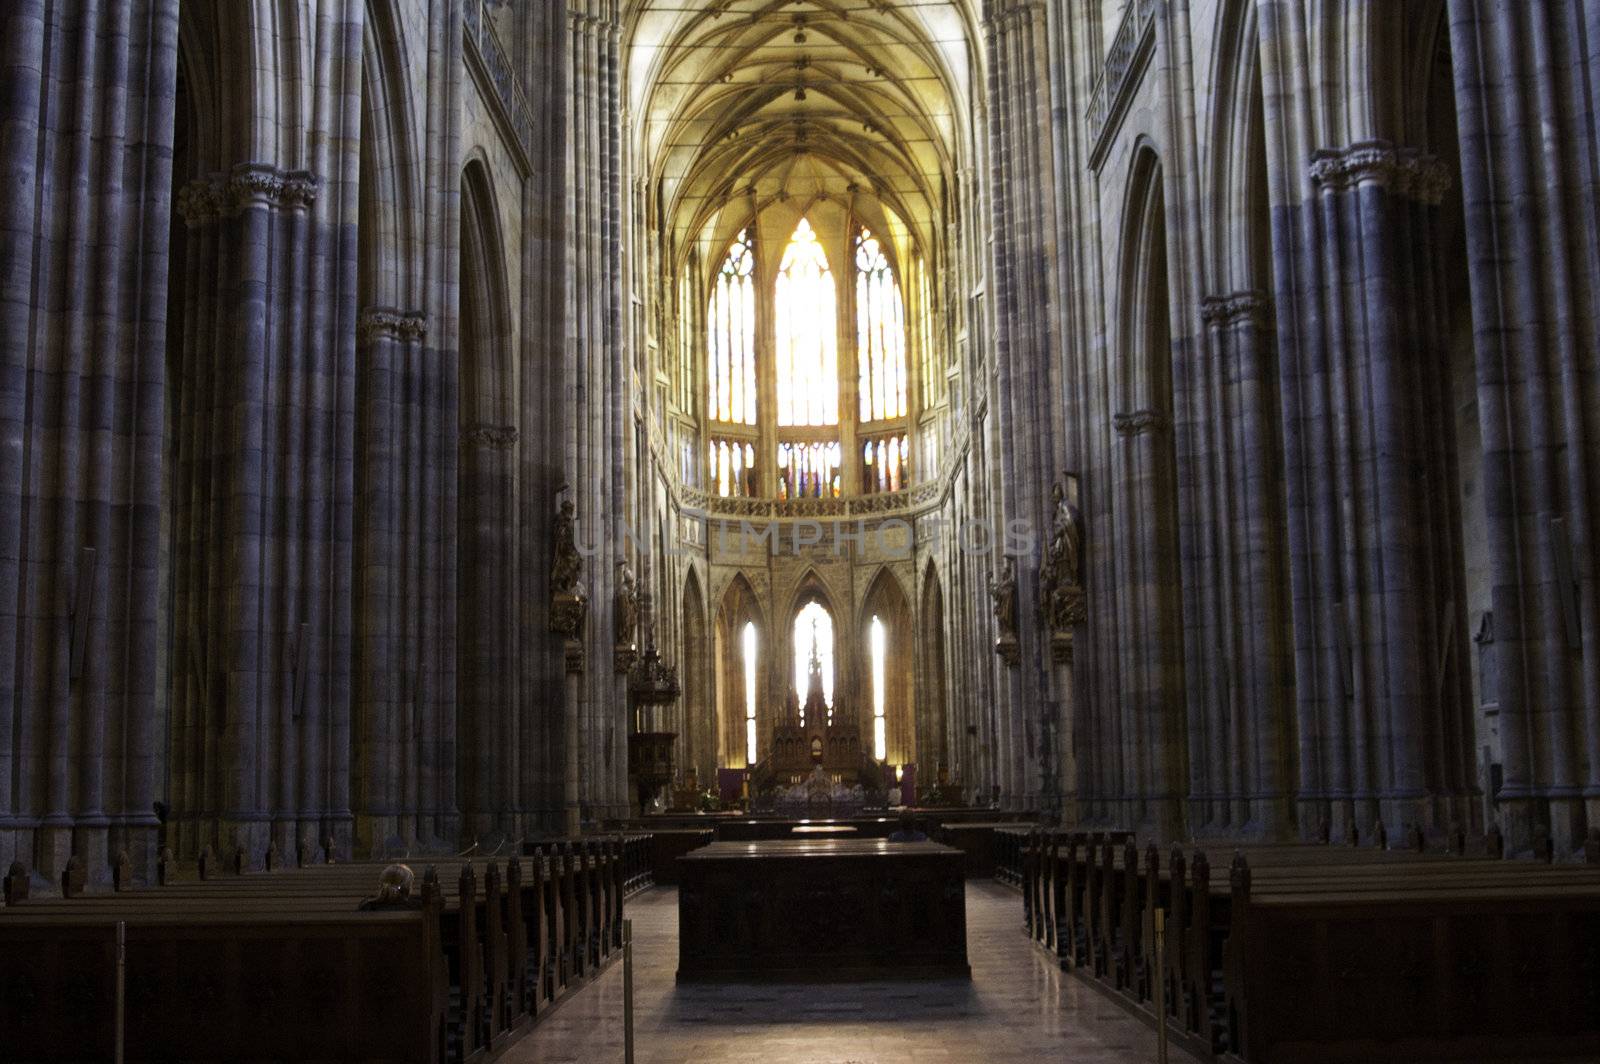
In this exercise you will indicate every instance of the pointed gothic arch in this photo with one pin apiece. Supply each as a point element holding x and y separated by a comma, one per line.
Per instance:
<point>487,737</point>
<point>932,690</point>
<point>1151,711</point>
<point>887,603</point>
<point>698,744</point>
<point>739,607</point>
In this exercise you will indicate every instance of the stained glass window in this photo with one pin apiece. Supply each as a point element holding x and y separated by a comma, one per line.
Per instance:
<point>809,470</point>
<point>731,338</point>
<point>732,468</point>
<point>880,333</point>
<point>930,374</point>
<point>813,641</point>
<point>750,648</point>
<point>690,326</point>
<point>885,464</point>
<point>807,332</point>
<point>880,657</point>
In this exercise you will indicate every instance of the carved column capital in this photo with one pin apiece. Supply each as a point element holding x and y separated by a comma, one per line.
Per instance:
<point>388,323</point>
<point>1406,172</point>
<point>261,184</point>
<point>1140,423</point>
<point>209,199</point>
<point>201,201</point>
<point>1236,308</point>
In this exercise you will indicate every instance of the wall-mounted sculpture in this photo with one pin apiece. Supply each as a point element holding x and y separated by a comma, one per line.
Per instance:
<point>1003,594</point>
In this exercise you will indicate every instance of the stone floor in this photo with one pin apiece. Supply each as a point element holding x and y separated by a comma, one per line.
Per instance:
<point>1017,1008</point>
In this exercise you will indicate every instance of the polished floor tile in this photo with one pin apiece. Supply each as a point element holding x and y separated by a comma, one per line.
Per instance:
<point>1017,1008</point>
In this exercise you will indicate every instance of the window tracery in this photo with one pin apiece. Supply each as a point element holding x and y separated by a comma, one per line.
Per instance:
<point>807,334</point>
<point>880,333</point>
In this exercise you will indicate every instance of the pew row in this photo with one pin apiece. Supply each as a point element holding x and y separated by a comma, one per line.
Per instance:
<point>1315,953</point>
<point>457,972</point>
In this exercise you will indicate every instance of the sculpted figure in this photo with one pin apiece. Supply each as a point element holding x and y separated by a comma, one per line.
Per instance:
<point>568,565</point>
<point>1003,592</point>
<point>627,604</point>
<point>1061,596</point>
<point>1066,540</point>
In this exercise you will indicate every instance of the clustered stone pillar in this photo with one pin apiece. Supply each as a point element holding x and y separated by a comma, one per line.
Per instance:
<point>1525,75</point>
<point>262,485</point>
<point>1151,717</point>
<point>1241,765</point>
<point>86,154</point>
<point>570,797</point>
<point>1026,337</point>
<point>393,360</point>
<point>600,459</point>
<point>1065,749</point>
<point>1384,713</point>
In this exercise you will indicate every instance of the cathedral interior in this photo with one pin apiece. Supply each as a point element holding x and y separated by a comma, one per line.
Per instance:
<point>1144,452</point>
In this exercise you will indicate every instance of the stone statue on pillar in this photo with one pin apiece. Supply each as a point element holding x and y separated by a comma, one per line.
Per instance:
<point>1062,607</point>
<point>569,602</point>
<point>1061,598</point>
<point>1003,594</point>
<point>627,617</point>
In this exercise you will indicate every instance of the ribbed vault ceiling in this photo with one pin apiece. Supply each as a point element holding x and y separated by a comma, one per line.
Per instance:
<point>738,104</point>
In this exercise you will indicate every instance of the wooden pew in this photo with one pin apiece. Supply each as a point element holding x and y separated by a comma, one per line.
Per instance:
<point>1104,929</point>
<point>316,986</point>
<point>1442,971</point>
<point>493,940</point>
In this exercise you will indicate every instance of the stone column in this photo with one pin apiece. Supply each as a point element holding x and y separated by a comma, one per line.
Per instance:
<point>1379,605</point>
<point>1152,720</point>
<point>487,736</point>
<point>1248,738</point>
<point>86,151</point>
<point>1027,334</point>
<point>1525,76</point>
<point>390,346</point>
<point>570,795</point>
<point>1066,754</point>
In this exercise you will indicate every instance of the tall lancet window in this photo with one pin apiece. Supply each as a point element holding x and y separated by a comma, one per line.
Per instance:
<point>731,338</point>
<point>880,693</point>
<point>750,649</point>
<point>880,333</point>
<point>807,331</point>
<point>813,660</point>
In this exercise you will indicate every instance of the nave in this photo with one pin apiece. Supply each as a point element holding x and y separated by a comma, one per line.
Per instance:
<point>1017,1008</point>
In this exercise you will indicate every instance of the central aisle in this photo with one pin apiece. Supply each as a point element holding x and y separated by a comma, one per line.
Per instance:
<point>1018,1008</point>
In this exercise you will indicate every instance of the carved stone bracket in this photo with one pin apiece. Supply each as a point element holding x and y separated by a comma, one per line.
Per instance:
<point>1066,608</point>
<point>1406,172</point>
<point>567,612</point>
<point>1235,308</point>
<point>1140,423</point>
<point>1009,649</point>
<point>387,323</point>
<point>492,437</point>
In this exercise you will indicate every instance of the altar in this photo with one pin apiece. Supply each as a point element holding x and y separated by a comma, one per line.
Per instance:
<point>816,909</point>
